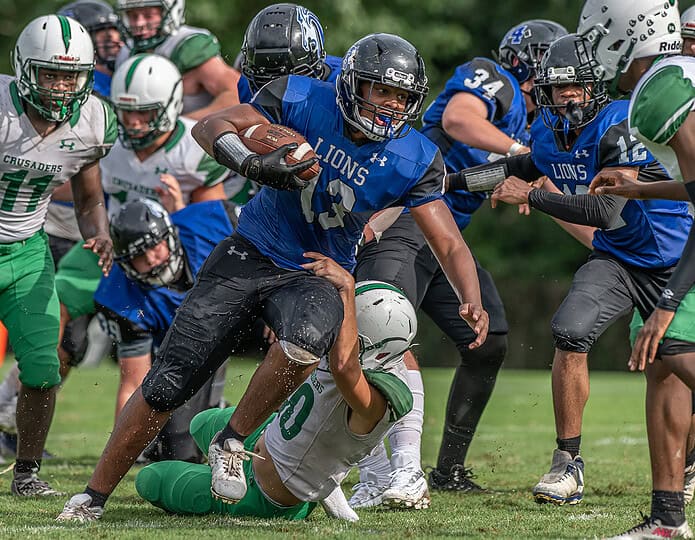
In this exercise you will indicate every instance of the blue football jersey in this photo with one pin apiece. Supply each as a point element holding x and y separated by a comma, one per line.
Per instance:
<point>102,84</point>
<point>334,64</point>
<point>652,233</point>
<point>356,179</point>
<point>506,110</point>
<point>201,227</point>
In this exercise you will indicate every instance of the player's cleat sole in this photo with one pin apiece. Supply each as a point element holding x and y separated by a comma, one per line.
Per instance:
<point>406,503</point>
<point>407,490</point>
<point>543,498</point>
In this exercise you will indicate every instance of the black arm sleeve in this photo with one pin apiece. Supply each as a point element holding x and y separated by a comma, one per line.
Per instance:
<point>485,177</point>
<point>269,98</point>
<point>131,339</point>
<point>683,276</point>
<point>602,211</point>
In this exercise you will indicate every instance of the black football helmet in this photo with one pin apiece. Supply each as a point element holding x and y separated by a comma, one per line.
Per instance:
<point>94,15</point>
<point>280,40</point>
<point>523,46</point>
<point>389,60</point>
<point>138,226</point>
<point>569,61</point>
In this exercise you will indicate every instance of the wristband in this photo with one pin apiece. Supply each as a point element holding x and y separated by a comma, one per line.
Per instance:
<point>230,151</point>
<point>515,148</point>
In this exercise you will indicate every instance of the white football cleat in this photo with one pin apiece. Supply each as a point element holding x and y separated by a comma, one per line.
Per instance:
<point>564,484</point>
<point>653,528</point>
<point>78,509</point>
<point>226,460</point>
<point>407,489</point>
<point>366,494</point>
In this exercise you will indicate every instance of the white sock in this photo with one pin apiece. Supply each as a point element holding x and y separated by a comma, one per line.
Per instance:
<point>336,506</point>
<point>406,435</point>
<point>9,387</point>
<point>375,466</point>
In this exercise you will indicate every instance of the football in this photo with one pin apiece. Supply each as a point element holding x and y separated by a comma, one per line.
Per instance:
<point>264,138</point>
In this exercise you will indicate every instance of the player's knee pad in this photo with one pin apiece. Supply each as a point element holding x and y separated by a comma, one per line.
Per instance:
<point>297,354</point>
<point>574,323</point>
<point>162,394</point>
<point>490,354</point>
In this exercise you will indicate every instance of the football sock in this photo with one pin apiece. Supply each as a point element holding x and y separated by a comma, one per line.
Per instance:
<point>375,466</point>
<point>470,392</point>
<point>27,466</point>
<point>669,507</point>
<point>229,433</point>
<point>405,437</point>
<point>98,499</point>
<point>570,445</point>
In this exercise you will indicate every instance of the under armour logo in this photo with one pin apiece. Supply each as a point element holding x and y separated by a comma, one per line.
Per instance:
<point>232,251</point>
<point>382,160</point>
<point>581,153</point>
<point>667,294</point>
<point>67,143</point>
<point>163,170</point>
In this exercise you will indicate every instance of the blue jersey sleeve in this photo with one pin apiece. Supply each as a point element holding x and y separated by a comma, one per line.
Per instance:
<point>481,78</point>
<point>430,186</point>
<point>244,89</point>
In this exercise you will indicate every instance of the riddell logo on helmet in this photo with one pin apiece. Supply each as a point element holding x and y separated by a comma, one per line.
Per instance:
<point>671,46</point>
<point>64,58</point>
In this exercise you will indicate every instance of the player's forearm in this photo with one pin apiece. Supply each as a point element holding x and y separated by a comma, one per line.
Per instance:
<point>583,234</point>
<point>486,176</point>
<point>601,211</point>
<point>225,99</point>
<point>458,265</point>
<point>664,189</point>
<point>344,353</point>
<point>88,197</point>
<point>478,132</point>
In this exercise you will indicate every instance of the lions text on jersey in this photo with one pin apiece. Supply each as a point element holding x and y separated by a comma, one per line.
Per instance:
<point>356,180</point>
<point>652,232</point>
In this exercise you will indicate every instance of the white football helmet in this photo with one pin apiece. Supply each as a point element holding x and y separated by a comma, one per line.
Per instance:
<point>688,23</point>
<point>621,31</point>
<point>147,82</point>
<point>54,42</point>
<point>173,16</point>
<point>386,324</point>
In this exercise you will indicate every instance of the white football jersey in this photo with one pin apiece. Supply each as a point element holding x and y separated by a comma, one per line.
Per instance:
<point>310,441</point>
<point>31,166</point>
<point>187,48</point>
<point>660,103</point>
<point>126,178</point>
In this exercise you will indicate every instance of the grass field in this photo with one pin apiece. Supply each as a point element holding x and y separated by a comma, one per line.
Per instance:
<point>512,448</point>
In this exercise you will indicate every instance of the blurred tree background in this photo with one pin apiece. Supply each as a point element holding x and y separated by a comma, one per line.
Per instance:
<point>531,259</point>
